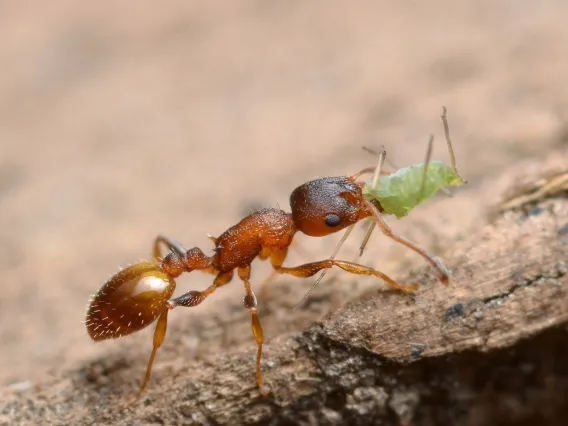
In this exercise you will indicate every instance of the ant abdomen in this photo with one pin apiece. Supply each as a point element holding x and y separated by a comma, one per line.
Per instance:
<point>130,301</point>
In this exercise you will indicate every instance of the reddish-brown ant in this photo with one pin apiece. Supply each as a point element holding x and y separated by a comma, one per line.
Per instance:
<point>142,293</point>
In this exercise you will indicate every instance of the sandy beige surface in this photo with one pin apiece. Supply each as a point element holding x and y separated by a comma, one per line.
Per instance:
<point>121,122</point>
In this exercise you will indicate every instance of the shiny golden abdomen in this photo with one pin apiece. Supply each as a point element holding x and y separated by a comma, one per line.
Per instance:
<point>130,301</point>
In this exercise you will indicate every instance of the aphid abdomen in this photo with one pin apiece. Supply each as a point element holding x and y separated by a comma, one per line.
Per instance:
<point>130,301</point>
<point>400,192</point>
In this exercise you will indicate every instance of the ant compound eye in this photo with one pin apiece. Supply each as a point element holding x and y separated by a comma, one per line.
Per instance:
<point>332,220</point>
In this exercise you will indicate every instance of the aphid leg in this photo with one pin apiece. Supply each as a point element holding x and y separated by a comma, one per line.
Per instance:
<point>378,172</point>
<point>367,237</point>
<point>159,336</point>
<point>426,164</point>
<point>249,302</point>
<point>443,273</point>
<point>310,269</point>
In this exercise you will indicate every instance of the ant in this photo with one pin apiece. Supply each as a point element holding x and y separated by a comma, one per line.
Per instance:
<point>141,293</point>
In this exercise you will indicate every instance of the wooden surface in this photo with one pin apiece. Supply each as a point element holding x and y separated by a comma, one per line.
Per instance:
<point>488,349</point>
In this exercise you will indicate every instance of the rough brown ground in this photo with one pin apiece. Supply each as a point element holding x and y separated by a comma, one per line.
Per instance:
<point>120,122</point>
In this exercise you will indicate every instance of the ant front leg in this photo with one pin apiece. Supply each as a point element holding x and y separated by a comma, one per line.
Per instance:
<point>310,269</point>
<point>277,257</point>
<point>443,273</point>
<point>250,303</point>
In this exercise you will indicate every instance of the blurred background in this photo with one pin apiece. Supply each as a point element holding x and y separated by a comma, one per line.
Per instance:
<point>121,121</point>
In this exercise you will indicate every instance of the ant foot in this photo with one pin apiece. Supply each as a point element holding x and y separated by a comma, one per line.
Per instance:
<point>264,390</point>
<point>409,288</point>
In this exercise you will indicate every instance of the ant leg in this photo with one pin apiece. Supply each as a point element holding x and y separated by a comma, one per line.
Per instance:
<point>277,257</point>
<point>374,183</point>
<point>170,244</point>
<point>194,297</point>
<point>178,249</point>
<point>190,298</point>
<point>443,273</point>
<point>249,302</point>
<point>310,269</point>
<point>159,335</point>
<point>367,170</point>
<point>265,253</point>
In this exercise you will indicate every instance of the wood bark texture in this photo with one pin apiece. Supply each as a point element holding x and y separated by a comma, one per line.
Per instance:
<point>489,349</point>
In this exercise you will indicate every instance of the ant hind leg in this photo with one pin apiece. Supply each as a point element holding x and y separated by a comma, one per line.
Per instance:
<point>159,336</point>
<point>250,303</point>
<point>191,298</point>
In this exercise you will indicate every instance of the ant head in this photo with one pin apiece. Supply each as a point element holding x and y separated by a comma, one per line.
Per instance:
<point>327,205</point>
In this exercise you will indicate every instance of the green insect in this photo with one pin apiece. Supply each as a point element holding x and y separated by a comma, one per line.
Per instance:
<point>403,190</point>
<point>399,192</point>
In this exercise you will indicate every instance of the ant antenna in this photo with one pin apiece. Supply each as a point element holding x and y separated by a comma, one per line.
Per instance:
<point>382,156</point>
<point>343,238</point>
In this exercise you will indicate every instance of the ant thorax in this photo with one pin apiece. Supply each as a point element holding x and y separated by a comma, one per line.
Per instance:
<point>241,243</point>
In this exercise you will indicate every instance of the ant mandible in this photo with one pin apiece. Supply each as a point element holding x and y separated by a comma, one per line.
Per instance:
<point>139,294</point>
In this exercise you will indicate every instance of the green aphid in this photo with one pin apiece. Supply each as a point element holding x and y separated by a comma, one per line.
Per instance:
<point>401,191</point>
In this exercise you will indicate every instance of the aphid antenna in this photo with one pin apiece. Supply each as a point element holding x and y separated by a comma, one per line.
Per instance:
<point>449,142</point>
